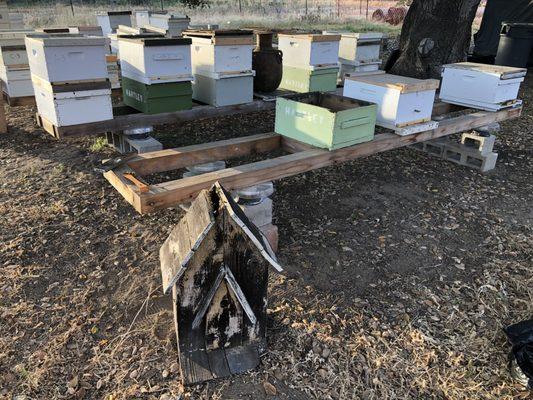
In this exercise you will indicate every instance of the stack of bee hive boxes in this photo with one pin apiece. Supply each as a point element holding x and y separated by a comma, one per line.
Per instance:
<point>156,73</point>
<point>359,52</point>
<point>222,66</point>
<point>310,62</point>
<point>14,68</point>
<point>69,75</point>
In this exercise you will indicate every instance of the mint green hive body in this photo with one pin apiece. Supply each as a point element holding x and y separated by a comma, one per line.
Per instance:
<point>157,98</point>
<point>303,80</point>
<point>325,120</point>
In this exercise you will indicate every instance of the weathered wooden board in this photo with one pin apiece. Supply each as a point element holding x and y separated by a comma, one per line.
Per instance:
<point>220,297</point>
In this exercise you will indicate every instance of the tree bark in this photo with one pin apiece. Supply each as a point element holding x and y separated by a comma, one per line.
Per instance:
<point>435,32</point>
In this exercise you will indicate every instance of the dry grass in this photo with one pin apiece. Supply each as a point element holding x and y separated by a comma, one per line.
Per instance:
<point>60,15</point>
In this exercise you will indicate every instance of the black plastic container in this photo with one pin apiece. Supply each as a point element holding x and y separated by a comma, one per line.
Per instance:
<point>516,42</point>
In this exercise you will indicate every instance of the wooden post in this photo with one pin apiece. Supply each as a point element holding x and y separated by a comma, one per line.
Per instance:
<point>3,121</point>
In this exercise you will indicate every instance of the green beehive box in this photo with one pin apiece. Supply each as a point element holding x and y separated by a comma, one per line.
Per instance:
<point>307,80</point>
<point>157,98</point>
<point>325,120</point>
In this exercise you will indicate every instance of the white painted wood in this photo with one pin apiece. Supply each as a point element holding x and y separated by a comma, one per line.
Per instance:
<point>16,81</point>
<point>355,47</point>
<point>347,69</point>
<point>303,52</point>
<point>109,21</point>
<point>223,89</point>
<point>113,43</point>
<point>394,107</point>
<point>72,108</point>
<point>480,105</point>
<point>87,30</point>
<point>479,87</point>
<point>142,18</point>
<point>174,25</point>
<point>67,58</point>
<point>207,57</point>
<point>13,55</point>
<point>14,37</point>
<point>412,129</point>
<point>155,64</point>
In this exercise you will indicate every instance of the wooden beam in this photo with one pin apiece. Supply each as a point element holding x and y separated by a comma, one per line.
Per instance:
<point>171,159</point>
<point>168,194</point>
<point>121,122</point>
<point>126,188</point>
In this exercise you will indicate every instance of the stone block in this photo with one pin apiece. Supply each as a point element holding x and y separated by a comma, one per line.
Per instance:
<point>259,213</point>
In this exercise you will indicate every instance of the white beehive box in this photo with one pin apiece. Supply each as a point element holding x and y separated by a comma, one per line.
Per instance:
<point>486,87</point>
<point>305,50</point>
<point>401,101</point>
<point>221,52</point>
<point>110,20</point>
<point>65,58</point>
<point>16,82</point>
<point>365,68</point>
<point>87,30</point>
<point>156,60</point>
<point>223,89</point>
<point>172,24</point>
<point>357,48</point>
<point>142,18</point>
<point>13,55</point>
<point>14,37</point>
<point>113,43</point>
<point>73,107</point>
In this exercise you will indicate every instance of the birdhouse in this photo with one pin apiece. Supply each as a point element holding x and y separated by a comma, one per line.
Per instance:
<point>216,263</point>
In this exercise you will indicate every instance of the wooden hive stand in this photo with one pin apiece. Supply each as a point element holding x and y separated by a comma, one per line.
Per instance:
<point>300,158</point>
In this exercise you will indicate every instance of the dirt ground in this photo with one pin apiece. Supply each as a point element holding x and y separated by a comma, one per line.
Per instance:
<point>400,272</point>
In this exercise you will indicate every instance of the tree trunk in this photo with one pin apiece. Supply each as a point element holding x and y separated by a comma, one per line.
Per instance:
<point>435,32</point>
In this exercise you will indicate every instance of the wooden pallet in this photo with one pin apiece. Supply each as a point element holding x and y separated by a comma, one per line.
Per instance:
<point>145,197</point>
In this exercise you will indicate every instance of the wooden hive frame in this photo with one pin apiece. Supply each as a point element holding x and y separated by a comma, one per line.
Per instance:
<point>145,197</point>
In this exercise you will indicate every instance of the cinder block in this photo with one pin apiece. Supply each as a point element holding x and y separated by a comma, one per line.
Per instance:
<point>271,233</point>
<point>144,145</point>
<point>434,147</point>
<point>260,213</point>
<point>484,144</point>
<point>470,157</point>
<point>126,144</point>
